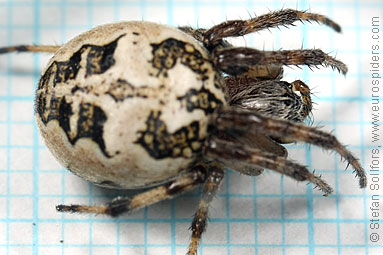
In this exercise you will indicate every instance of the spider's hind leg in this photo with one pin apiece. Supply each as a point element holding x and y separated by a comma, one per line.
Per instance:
<point>188,181</point>
<point>30,48</point>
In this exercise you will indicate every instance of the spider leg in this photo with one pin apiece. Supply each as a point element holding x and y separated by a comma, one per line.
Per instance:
<point>273,19</point>
<point>119,205</point>
<point>230,153</point>
<point>238,120</point>
<point>238,60</point>
<point>214,179</point>
<point>30,48</point>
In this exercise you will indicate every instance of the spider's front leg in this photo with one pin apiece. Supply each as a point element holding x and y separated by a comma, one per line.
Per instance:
<point>234,120</point>
<point>273,19</point>
<point>239,60</point>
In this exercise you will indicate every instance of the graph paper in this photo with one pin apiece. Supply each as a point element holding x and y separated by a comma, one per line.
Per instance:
<point>268,214</point>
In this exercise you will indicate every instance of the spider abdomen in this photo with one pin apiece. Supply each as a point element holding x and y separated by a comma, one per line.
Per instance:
<point>126,105</point>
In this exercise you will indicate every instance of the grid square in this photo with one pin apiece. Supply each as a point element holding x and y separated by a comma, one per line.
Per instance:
<point>3,133</point>
<point>19,250</point>
<point>3,159</point>
<point>269,233</point>
<point>269,208</point>
<point>47,161</point>
<point>132,250</point>
<point>50,183</point>
<point>325,233</point>
<point>159,210</point>
<point>104,250</point>
<point>130,13</point>
<point>49,233</point>
<point>216,233</point>
<point>324,208</point>
<point>76,233</point>
<point>23,86</point>
<point>132,234</point>
<point>47,207</point>
<point>3,111</point>
<point>158,233</point>
<point>241,184</point>
<point>295,208</point>
<point>23,15</point>
<point>3,208</point>
<point>159,250</point>
<point>49,250</point>
<point>352,251</point>
<point>46,17</point>
<point>296,233</point>
<point>20,208</point>
<point>297,250</point>
<point>3,79</point>
<point>103,15</point>
<point>3,233</point>
<point>352,233</point>
<point>237,206</point>
<point>104,233</point>
<point>347,207</point>
<point>15,228</point>
<point>213,250</point>
<point>21,159</point>
<point>326,251</point>
<point>21,111</point>
<point>21,134</point>
<point>157,14</point>
<point>21,184</point>
<point>237,230</point>
<point>268,183</point>
<point>77,15</point>
<point>4,183</point>
<point>375,251</point>
<point>242,250</point>
<point>270,250</point>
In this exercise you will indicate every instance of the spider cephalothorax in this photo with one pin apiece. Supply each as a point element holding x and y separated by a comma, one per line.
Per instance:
<point>138,104</point>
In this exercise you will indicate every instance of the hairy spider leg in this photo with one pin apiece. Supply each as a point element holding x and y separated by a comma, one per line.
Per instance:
<point>30,48</point>
<point>231,153</point>
<point>233,28</point>
<point>214,179</point>
<point>237,60</point>
<point>212,175</point>
<point>305,92</point>
<point>234,120</point>
<point>188,181</point>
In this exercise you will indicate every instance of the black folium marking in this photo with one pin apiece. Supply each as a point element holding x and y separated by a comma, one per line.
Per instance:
<point>159,143</point>
<point>202,99</point>
<point>100,58</point>
<point>91,125</point>
<point>166,53</point>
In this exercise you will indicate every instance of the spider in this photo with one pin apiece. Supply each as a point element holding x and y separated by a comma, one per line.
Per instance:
<point>136,104</point>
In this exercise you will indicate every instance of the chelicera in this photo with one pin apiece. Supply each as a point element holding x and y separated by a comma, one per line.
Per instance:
<point>137,104</point>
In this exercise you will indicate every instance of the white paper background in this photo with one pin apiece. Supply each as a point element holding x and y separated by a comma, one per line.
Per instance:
<point>263,215</point>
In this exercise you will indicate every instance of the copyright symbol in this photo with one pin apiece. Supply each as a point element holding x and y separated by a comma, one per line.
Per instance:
<point>374,237</point>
